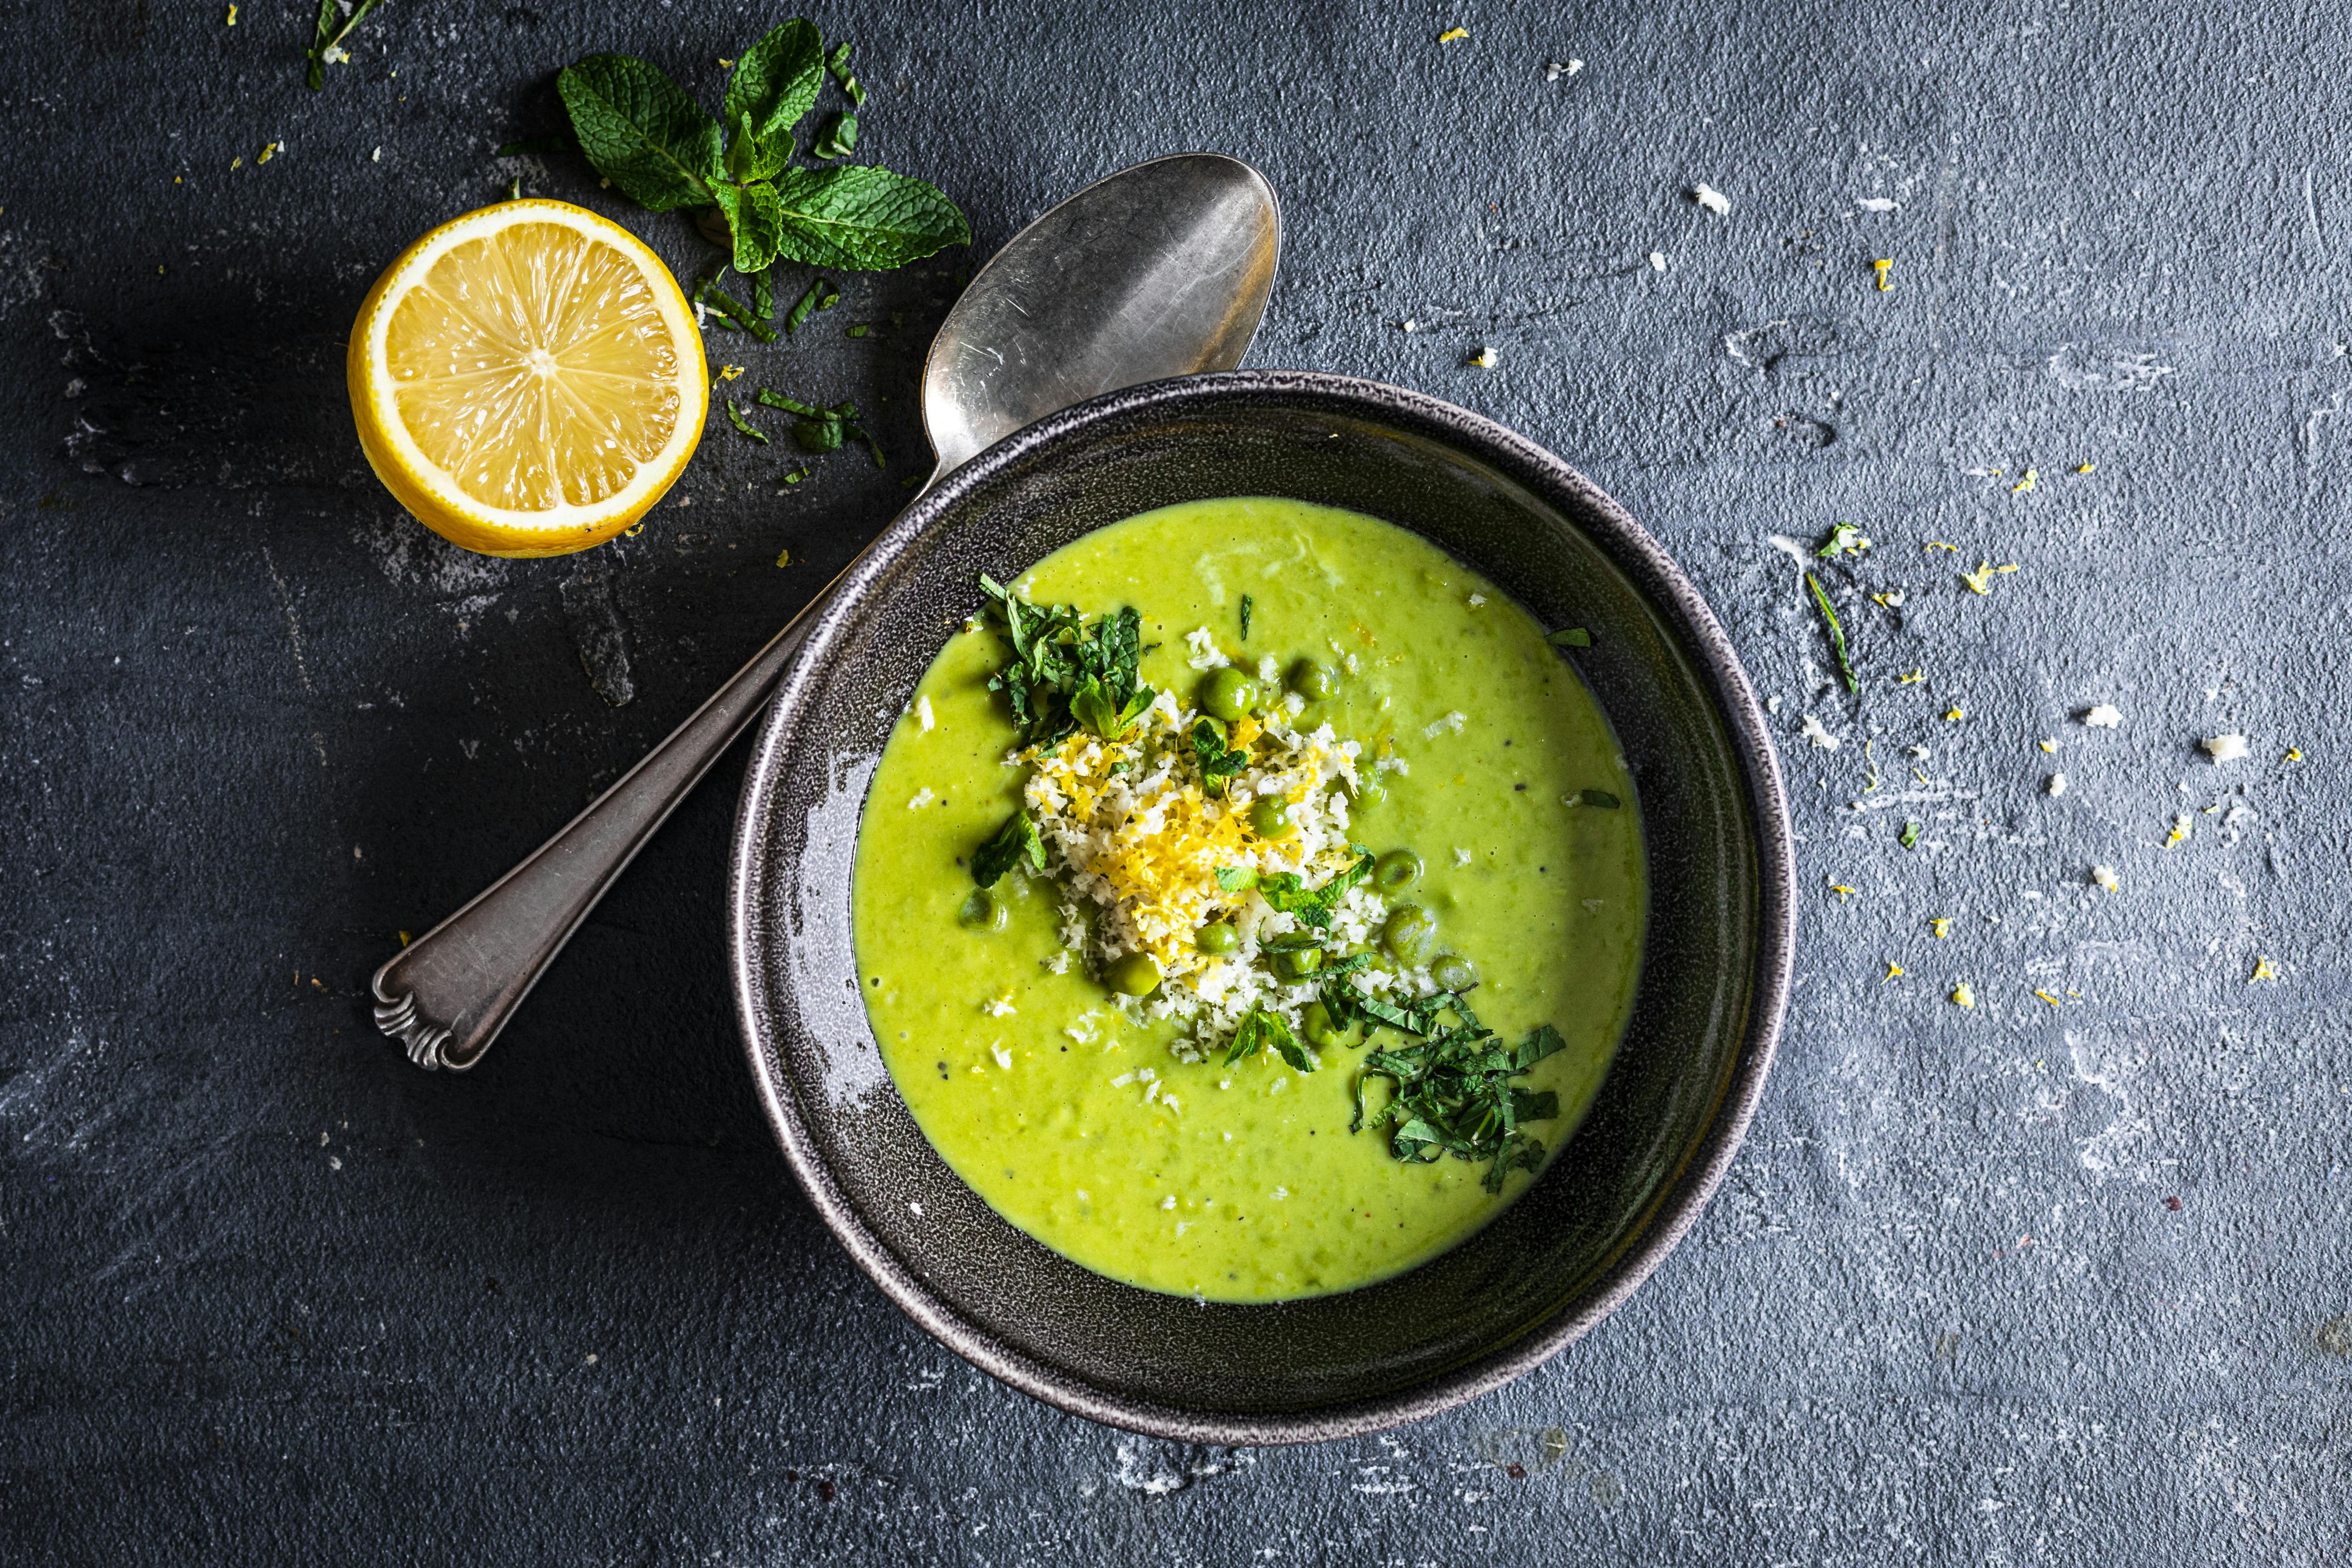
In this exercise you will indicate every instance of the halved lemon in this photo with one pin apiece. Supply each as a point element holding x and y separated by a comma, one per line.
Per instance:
<point>528,379</point>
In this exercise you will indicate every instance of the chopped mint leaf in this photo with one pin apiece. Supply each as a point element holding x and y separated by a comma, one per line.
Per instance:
<point>1218,765</point>
<point>1248,604</point>
<point>1837,632</point>
<point>1909,836</point>
<point>1570,637</point>
<point>820,295</point>
<point>327,42</point>
<point>1601,798</point>
<point>1058,658</point>
<point>1261,1030</point>
<point>1452,1093</point>
<point>1845,539</point>
<point>840,138</point>
<point>743,426</point>
<point>1016,841</point>
<point>837,64</point>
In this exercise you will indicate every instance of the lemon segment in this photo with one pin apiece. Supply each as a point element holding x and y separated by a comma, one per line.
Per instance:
<point>528,379</point>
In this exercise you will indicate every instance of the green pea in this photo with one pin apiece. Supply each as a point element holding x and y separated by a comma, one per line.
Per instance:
<point>1217,936</point>
<point>1316,1022</point>
<point>982,910</point>
<point>1396,871</point>
<point>1228,694</point>
<point>1316,682</point>
<point>1454,973</point>
<point>1297,963</point>
<point>1270,817</point>
<point>1132,974</point>
<point>1368,791</point>
<point>1410,934</point>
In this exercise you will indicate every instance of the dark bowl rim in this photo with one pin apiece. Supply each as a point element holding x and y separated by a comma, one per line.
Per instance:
<point>1670,595</point>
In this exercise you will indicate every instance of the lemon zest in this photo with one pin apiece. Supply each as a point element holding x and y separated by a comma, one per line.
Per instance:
<point>1941,925</point>
<point>1452,34</point>
<point>1842,891</point>
<point>1879,270</point>
<point>1893,970</point>
<point>2294,754</point>
<point>729,372</point>
<point>2087,468</point>
<point>1939,545</point>
<point>2049,998</point>
<point>1964,994</point>
<point>1913,678</point>
<point>2032,477</point>
<point>1956,715</point>
<point>2264,970</point>
<point>1980,580</point>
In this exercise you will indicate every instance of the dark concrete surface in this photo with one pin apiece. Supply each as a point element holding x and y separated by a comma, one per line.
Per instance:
<point>2015,1284</point>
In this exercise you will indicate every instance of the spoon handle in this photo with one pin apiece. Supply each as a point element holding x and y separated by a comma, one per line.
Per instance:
<point>447,995</point>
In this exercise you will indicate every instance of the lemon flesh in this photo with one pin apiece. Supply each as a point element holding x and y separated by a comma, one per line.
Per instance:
<point>528,379</point>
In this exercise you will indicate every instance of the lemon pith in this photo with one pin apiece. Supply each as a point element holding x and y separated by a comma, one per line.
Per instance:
<point>527,379</point>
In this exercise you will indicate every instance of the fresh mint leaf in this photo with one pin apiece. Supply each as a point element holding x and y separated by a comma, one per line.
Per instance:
<point>861,218</point>
<point>1016,841</point>
<point>752,157</point>
<point>776,80</point>
<point>640,131</point>
<point>754,220</point>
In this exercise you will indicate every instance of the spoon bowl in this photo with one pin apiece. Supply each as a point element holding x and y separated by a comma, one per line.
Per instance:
<point>1161,270</point>
<point>1047,324</point>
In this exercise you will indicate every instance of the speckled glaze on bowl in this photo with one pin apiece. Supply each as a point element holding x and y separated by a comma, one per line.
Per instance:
<point>1668,1118</point>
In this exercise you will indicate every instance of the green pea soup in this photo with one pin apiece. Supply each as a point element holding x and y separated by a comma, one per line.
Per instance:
<point>1243,1183</point>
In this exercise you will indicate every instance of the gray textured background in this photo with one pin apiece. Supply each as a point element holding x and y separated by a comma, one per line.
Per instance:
<point>267,1293</point>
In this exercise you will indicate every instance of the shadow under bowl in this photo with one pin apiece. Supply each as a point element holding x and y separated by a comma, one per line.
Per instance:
<point>1668,1117</point>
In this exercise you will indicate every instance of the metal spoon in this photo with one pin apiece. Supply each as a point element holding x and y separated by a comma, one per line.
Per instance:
<point>1161,270</point>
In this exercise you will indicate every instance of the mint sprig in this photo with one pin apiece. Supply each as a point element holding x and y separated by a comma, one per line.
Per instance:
<point>644,133</point>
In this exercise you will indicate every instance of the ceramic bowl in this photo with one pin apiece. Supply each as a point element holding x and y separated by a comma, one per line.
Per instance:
<point>1667,1118</point>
